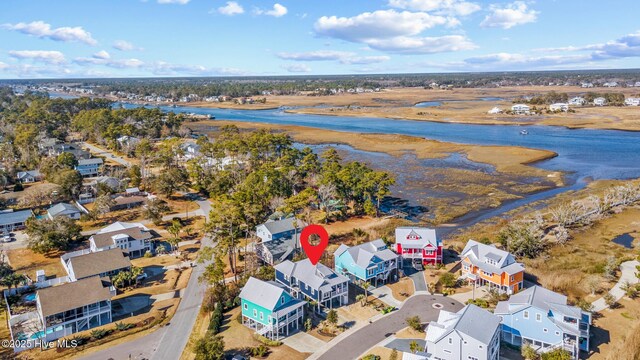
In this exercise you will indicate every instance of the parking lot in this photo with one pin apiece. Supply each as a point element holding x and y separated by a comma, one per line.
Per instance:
<point>20,241</point>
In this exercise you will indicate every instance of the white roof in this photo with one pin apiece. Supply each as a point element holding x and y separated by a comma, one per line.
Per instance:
<point>478,254</point>
<point>119,225</point>
<point>363,254</point>
<point>470,321</point>
<point>417,237</point>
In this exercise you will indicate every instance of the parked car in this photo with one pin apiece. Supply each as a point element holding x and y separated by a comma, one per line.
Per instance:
<point>417,265</point>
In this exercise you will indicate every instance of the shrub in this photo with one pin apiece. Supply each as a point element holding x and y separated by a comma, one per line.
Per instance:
<point>332,317</point>
<point>148,254</point>
<point>99,334</point>
<point>267,341</point>
<point>414,322</point>
<point>388,309</point>
<point>260,351</point>
<point>122,326</point>
<point>308,325</point>
<point>371,357</point>
<point>479,302</point>
<point>448,280</point>
<point>528,353</point>
<point>216,319</point>
<point>557,354</point>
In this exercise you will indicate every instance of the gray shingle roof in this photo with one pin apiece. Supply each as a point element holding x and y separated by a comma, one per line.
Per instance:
<point>98,263</point>
<point>56,299</point>
<point>14,217</point>
<point>470,320</point>
<point>62,209</point>
<point>478,253</point>
<point>280,226</point>
<point>541,298</point>
<point>92,161</point>
<point>363,253</point>
<point>317,276</point>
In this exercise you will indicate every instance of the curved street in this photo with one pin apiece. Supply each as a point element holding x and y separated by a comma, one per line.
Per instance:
<point>355,344</point>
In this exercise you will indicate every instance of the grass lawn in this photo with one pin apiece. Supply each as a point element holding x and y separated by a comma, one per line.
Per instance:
<point>129,215</point>
<point>238,337</point>
<point>612,327</point>
<point>409,333</point>
<point>26,262</point>
<point>171,280</point>
<point>404,285</point>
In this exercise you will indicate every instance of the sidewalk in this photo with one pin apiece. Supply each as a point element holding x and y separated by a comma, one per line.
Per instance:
<point>628,273</point>
<point>384,294</point>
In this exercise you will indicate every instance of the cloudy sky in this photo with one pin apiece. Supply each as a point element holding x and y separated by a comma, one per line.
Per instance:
<point>122,38</point>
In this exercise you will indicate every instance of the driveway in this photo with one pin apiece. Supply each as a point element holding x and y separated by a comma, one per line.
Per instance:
<point>169,341</point>
<point>106,153</point>
<point>417,277</point>
<point>303,342</point>
<point>360,340</point>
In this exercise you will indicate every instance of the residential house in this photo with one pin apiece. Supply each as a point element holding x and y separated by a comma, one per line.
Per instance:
<point>127,202</point>
<point>102,263</point>
<point>471,333</point>
<point>276,229</point>
<point>559,107</point>
<point>269,309</point>
<point>276,251</point>
<point>599,101</point>
<point>72,149</point>
<point>14,220</point>
<point>64,209</point>
<point>191,150</point>
<point>372,262</point>
<point>544,320</point>
<point>632,101</point>
<point>577,101</point>
<point>487,265</point>
<point>89,167</point>
<point>419,245</point>
<point>495,110</point>
<point>610,84</point>
<point>586,85</point>
<point>521,109</point>
<point>133,238</point>
<point>317,283</point>
<point>73,307</point>
<point>30,176</point>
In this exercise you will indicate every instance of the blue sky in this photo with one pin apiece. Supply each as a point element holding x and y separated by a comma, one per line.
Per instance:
<point>123,38</point>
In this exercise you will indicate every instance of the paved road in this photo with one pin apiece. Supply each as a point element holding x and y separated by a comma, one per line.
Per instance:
<point>355,344</point>
<point>106,153</point>
<point>169,341</point>
<point>627,273</point>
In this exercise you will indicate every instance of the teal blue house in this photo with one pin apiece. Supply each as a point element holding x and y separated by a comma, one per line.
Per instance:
<point>269,309</point>
<point>370,262</point>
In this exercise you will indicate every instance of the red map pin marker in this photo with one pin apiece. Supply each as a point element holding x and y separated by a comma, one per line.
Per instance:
<point>314,253</point>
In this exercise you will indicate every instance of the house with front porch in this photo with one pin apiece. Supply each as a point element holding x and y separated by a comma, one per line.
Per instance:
<point>544,320</point>
<point>471,333</point>
<point>269,309</point>
<point>317,283</point>
<point>521,109</point>
<point>419,244</point>
<point>73,307</point>
<point>89,167</point>
<point>487,265</point>
<point>101,264</point>
<point>370,262</point>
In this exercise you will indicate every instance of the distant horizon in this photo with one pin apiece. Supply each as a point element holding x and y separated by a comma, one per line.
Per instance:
<point>226,38</point>
<point>320,76</point>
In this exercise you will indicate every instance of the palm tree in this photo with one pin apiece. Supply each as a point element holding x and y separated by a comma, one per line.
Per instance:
<point>365,285</point>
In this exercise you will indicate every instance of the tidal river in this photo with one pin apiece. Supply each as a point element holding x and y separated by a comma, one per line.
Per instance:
<point>583,153</point>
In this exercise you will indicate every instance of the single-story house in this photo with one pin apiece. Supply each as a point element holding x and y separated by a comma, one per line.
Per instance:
<point>64,209</point>
<point>577,101</point>
<point>30,176</point>
<point>559,107</point>
<point>14,220</point>
<point>128,202</point>
<point>632,101</point>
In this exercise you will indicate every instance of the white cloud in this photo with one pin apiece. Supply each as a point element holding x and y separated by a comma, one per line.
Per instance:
<point>112,63</point>
<point>344,57</point>
<point>3,65</point>
<point>278,10</point>
<point>49,57</point>
<point>232,8</point>
<point>179,2</point>
<point>165,68</point>
<point>516,13</point>
<point>43,30</point>
<point>124,45</point>
<point>320,55</point>
<point>423,45</point>
<point>102,54</point>
<point>297,68</point>
<point>448,7</point>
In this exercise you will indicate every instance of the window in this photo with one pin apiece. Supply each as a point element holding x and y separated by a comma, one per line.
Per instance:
<point>545,330</point>
<point>269,318</point>
<point>255,313</point>
<point>282,300</point>
<point>538,317</point>
<point>525,315</point>
<point>472,358</point>
<point>513,278</point>
<point>261,316</point>
<point>450,341</point>
<point>246,307</point>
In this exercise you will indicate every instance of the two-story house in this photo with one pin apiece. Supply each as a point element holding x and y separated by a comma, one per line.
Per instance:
<point>73,307</point>
<point>419,244</point>
<point>371,262</point>
<point>280,240</point>
<point>133,238</point>
<point>89,167</point>
<point>317,283</point>
<point>487,265</point>
<point>102,264</point>
<point>72,149</point>
<point>471,334</point>
<point>269,309</point>
<point>277,229</point>
<point>544,320</point>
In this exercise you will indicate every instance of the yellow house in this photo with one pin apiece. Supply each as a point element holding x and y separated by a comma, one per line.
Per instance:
<point>488,265</point>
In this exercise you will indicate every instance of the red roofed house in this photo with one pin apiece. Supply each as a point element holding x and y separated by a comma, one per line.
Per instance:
<point>419,243</point>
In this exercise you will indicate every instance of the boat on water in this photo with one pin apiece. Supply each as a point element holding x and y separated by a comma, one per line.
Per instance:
<point>524,132</point>
<point>211,117</point>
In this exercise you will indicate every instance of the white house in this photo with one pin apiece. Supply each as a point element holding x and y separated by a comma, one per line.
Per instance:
<point>610,84</point>
<point>272,230</point>
<point>559,107</point>
<point>521,109</point>
<point>64,209</point>
<point>134,238</point>
<point>587,85</point>
<point>30,176</point>
<point>599,101</point>
<point>495,110</point>
<point>577,101</point>
<point>632,101</point>
<point>471,333</point>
